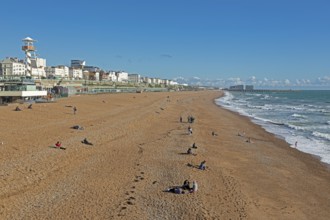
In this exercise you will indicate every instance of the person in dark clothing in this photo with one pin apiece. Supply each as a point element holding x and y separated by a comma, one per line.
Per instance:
<point>85,141</point>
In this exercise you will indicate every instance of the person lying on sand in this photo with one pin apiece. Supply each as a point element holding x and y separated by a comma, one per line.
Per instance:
<point>189,151</point>
<point>58,144</point>
<point>78,127</point>
<point>241,134</point>
<point>185,186</point>
<point>18,109</point>
<point>214,134</point>
<point>85,141</point>
<point>176,190</point>
<point>189,130</point>
<point>249,140</point>
<point>202,165</point>
<point>194,187</point>
<point>30,106</point>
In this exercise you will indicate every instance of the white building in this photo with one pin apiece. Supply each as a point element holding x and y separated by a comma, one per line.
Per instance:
<point>38,68</point>
<point>75,73</point>
<point>38,73</point>
<point>12,67</point>
<point>57,71</point>
<point>38,63</point>
<point>112,76</point>
<point>134,78</point>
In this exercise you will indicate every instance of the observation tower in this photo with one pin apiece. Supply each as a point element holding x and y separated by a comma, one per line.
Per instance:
<point>30,53</point>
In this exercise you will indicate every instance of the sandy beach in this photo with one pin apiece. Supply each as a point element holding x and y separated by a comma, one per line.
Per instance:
<point>139,150</point>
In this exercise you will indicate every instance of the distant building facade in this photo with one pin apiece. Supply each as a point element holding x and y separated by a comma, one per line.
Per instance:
<point>236,88</point>
<point>75,73</point>
<point>12,67</point>
<point>57,71</point>
<point>134,78</point>
<point>249,87</point>
<point>78,64</point>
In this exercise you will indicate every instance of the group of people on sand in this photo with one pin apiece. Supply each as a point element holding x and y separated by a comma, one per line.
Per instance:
<point>186,187</point>
<point>190,119</point>
<point>58,144</point>
<point>248,140</point>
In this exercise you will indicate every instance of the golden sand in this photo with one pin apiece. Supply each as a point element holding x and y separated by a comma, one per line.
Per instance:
<point>139,150</point>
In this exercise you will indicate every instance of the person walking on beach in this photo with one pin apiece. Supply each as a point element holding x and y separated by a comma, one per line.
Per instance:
<point>180,119</point>
<point>74,110</point>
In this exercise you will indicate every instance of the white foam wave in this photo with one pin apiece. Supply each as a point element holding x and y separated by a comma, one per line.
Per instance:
<point>298,116</point>
<point>321,135</point>
<point>269,121</point>
<point>296,127</point>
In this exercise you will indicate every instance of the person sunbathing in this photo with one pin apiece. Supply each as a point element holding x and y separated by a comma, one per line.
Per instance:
<point>85,141</point>
<point>176,190</point>
<point>58,144</point>
<point>202,165</point>
<point>186,185</point>
<point>194,187</point>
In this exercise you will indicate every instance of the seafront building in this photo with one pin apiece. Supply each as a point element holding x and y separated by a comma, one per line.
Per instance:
<point>10,67</point>
<point>78,64</point>
<point>55,72</point>
<point>75,73</point>
<point>16,76</point>
<point>29,78</point>
<point>134,78</point>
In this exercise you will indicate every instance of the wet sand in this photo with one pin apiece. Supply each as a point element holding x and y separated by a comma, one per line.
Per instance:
<point>139,150</point>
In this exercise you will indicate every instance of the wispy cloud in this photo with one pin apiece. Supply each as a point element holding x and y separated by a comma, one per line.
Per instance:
<point>258,83</point>
<point>166,56</point>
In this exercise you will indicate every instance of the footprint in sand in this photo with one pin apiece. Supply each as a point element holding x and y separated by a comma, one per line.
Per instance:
<point>130,203</point>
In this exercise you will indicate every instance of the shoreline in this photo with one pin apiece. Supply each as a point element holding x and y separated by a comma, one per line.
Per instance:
<point>285,132</point>
<point>275,135</point>
<point>139,150</point>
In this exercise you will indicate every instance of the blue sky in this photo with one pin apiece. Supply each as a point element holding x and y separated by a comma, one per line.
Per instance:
<point>286,41</point>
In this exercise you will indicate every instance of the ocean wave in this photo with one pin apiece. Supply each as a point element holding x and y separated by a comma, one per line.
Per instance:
<point>298,116</point>
<point>321,135</point>
<point>269,121</point>
<point>296,127</point>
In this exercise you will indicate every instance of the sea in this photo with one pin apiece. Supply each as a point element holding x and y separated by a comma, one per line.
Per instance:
<point>301,118</point>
